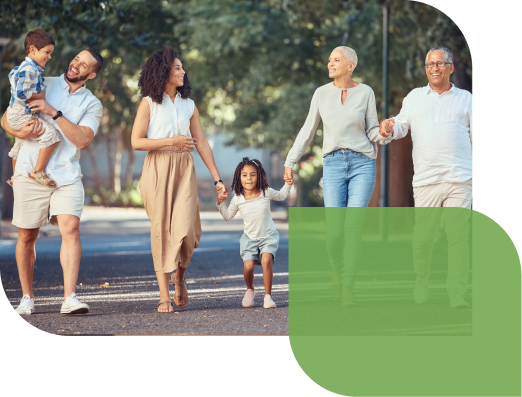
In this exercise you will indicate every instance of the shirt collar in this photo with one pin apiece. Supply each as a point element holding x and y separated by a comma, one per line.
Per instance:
<point>178,95</point>
<point>65,86</point>
<point>429,89</point>
<point>35,65</point>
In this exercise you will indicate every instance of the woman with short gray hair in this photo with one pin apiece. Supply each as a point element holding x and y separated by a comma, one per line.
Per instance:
<point>351,137</point>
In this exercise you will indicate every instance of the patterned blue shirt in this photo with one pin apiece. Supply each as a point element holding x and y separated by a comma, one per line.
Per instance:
<point>25,80</point>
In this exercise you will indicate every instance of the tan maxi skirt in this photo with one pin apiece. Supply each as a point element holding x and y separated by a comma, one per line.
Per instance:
<point>169,191</point>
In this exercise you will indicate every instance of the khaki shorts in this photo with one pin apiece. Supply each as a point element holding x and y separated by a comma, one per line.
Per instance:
<point>34,203</point>
<point>444,195</point>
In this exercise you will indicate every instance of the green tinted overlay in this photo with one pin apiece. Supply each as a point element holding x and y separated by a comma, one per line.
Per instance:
<point>404,301</point>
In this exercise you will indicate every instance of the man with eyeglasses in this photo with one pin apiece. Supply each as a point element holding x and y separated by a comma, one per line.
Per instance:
<point>439,116</point>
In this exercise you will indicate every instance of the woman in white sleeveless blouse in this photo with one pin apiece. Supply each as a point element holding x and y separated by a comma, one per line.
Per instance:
<point>168,185</point>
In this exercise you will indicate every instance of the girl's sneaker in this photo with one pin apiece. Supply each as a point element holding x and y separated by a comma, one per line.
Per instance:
<point>269,302</point>
<point>248,300</point>
<point>26,305</point>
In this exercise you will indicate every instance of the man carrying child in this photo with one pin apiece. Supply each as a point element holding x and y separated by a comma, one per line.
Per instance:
<point>75,113</point>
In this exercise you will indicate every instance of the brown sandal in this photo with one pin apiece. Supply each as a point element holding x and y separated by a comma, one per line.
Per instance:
<point>42,178</point>
<point>181,284</point>
<point>167,302</point>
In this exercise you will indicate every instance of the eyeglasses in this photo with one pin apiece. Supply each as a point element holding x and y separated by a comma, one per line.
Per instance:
<point>439,64</point>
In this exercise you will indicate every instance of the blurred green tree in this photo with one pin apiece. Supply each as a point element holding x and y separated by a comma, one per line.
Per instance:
<point>254,65</point>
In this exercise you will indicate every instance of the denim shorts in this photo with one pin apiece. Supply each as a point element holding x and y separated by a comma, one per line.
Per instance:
<point>252,249</point>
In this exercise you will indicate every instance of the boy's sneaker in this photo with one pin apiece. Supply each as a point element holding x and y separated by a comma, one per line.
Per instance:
<point>269,302</point>
<point>72,305</point>
<point>248,300</point>
<point>26,305</point>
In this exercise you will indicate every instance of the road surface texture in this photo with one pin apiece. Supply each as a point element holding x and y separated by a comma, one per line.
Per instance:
<point>117,280</point>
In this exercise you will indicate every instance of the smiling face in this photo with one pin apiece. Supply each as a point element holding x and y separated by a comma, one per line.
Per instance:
<point>42,55</point>
<point>338,65</point>
<point>438,76</point>
<point>81,68</point>
<point>249,178</point>
<point>177,74</point>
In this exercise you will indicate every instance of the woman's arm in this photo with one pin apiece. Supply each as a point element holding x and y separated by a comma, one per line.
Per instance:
<point>204,149</point>
<point>303,139</point>
<point>31,129</point>
<point>140,127</point>
<point>372,123</point>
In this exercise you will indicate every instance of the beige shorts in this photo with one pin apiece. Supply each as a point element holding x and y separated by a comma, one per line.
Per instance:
<point>444,195</point>
<point>34,203</point>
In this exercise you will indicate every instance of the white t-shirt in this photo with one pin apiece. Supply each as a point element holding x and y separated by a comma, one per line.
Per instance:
<point>170,119</point>
<point>255,212</point>
<point>81,108</point>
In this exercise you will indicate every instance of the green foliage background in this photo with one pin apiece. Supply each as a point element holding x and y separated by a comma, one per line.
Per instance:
<point>254,65</point>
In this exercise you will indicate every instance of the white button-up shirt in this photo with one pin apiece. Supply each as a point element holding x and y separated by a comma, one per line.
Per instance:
<point>441,134</point>
<point>81,108</point>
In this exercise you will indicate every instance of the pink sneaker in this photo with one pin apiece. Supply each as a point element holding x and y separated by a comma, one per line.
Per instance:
<point>248,300</point>
<point>269,302</point>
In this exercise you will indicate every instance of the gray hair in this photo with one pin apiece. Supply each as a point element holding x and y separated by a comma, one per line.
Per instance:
<point>348,53</point>
<point>447,53</point>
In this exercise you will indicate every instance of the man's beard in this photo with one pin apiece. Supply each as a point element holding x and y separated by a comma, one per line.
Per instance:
<point>75,79</point>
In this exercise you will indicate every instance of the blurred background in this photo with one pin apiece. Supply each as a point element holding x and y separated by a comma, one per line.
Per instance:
<point>253,65</point>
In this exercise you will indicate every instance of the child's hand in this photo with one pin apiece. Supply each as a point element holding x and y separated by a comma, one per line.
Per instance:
<point>222,196</point>
<point>289,179</point>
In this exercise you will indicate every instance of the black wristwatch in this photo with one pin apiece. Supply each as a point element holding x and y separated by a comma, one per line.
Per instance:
<point>216,182</point>
<point>59,114</point>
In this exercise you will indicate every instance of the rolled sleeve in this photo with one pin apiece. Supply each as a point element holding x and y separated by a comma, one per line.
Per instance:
<point>92,117</point>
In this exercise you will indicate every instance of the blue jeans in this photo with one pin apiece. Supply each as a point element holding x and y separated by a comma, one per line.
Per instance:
<point>348,181</point>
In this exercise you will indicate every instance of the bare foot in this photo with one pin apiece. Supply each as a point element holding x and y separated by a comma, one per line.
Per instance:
<point>165,307</point>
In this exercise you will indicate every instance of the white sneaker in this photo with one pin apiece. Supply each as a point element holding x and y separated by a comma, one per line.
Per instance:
<point>457,301</point>
<point>26,305</point>
<point>73,306</point>
<point>269,302</point>
<point>248,300</point>
<point>421,291</point>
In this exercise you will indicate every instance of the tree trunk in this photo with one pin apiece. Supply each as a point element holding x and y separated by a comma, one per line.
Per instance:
<point>116,174</point>
<point>97,179</point>
<point>130,165</point>
<point>110,158</point>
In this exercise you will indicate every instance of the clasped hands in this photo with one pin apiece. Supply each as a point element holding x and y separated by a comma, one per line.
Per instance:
<point>386,127</point>
<point>289,176</point>
<point>222,192</point>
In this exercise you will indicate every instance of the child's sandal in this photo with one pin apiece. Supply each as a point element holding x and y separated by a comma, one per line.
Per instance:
<point>42,178</point>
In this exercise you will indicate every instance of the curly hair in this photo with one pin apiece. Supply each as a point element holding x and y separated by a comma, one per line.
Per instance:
<point>262,181</point>
<point>155,74</point>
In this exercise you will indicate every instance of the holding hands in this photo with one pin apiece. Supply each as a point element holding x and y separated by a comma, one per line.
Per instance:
<point>289,176</point>
<point>386,127</point>
<point>222,192</point>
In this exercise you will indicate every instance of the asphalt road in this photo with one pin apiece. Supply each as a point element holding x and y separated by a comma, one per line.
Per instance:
<point>117,281</point>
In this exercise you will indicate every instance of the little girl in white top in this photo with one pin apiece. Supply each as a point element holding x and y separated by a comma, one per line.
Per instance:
<point>260,240</point>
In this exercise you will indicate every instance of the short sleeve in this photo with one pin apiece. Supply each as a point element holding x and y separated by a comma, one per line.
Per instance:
<point>92,116</point>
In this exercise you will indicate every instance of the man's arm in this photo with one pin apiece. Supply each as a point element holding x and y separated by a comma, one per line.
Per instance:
<point>80,136</point>
<point>31,129</point>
